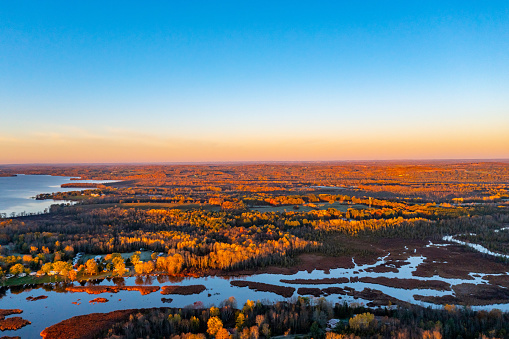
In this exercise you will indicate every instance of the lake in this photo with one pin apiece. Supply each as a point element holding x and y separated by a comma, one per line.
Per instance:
<point>17,193</point>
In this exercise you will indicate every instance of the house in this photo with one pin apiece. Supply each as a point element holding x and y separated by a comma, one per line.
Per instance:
<point>332,323</point>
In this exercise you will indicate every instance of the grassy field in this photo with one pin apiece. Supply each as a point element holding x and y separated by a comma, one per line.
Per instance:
<point>144,255</point>
<point>31,280</point>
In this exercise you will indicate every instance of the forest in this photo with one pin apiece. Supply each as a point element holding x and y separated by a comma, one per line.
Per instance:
<point>303,317</point>
<point>202,218</point>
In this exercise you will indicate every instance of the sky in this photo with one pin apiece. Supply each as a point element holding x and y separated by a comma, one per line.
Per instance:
<point>203,81</point>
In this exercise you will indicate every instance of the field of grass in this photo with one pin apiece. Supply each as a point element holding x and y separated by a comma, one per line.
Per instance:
<point>30,280</point>
<point>45,279</point>
<point>144,255</point>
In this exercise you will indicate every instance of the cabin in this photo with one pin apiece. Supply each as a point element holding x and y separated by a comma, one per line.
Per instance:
<point>332,323</point>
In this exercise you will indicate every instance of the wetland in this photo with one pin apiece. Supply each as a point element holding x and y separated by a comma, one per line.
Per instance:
<point>185,237</point>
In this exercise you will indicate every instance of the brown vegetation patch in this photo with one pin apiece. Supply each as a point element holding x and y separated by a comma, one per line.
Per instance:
<point>383,268</point>
<point>144,290</point>
<point>85,326</point>
<point>390,265</point>
<point>98,300</point>
<point>446,299</point>
<point>371,250</point>
<point>14,323</point>
<point>37,298</point>
<point>93,289</point>
<point>501,280</point>
<point>7,337</point>
<point>283,291</point>
<point>183,290</point>
<point>471,295</point>
<point>310,290</point>
<point>379,247</point>
<point>455,261</point>
<point>314,291</point>
<point>377,298</point>
<point>408,284</point>
<point>310,262</point>
<point>166,300</point>
<point>333,290</point>
<point>324,281</point>
<point>4,313</point>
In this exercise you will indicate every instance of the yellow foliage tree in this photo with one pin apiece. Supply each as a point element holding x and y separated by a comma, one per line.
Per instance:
<point>91,267</point>
<point>222,334</point>
<point>214,325</point>
<point>362,321</point>
<point>119,266</point>
<point>72,275</point>
<point>16,269</point>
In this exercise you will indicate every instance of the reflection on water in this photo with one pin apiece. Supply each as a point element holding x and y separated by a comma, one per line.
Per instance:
<point>58,306</point>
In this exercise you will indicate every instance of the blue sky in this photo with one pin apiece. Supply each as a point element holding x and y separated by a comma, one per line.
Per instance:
<point>253,81</point>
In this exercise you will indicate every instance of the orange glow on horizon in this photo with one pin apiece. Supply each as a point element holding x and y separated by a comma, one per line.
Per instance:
<point>132,148</point>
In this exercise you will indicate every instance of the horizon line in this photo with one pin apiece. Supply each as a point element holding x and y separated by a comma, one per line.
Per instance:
<point>253,162</point>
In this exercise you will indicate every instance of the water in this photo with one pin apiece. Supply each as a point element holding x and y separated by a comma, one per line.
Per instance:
<point>17,193</point>
<point>58,306</point>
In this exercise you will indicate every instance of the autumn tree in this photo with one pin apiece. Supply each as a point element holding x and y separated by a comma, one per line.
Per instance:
<point>16,269</point>
<point>432,334</point>
<point>214,311</point>
<point>260,319</point>
<point>223,334</point>
<point>135,258</point>
<point>91,267</point>
<point>118,266</point>
<point>240,321</point>
<point>72,275</point>
<point>47,268</point>
<point>214,325</point>
<point>362,322</point>
<point>139,268</point>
